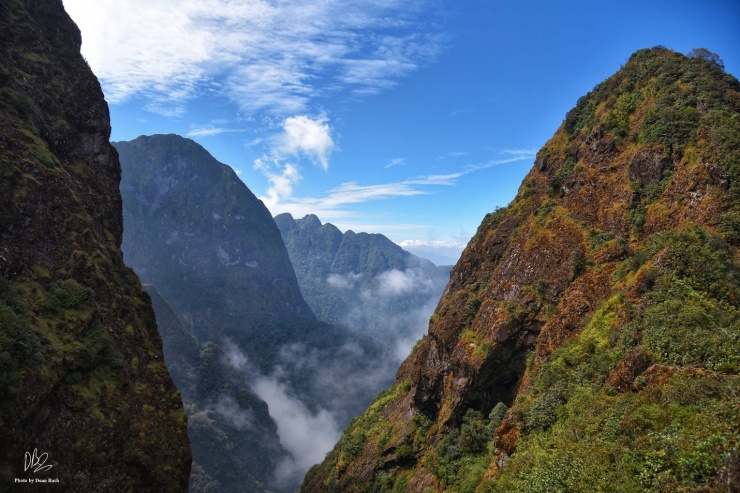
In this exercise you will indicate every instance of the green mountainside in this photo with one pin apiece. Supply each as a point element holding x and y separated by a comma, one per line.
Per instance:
<point>362,281</point>
<point>588,339</point>
<point>82,376</point>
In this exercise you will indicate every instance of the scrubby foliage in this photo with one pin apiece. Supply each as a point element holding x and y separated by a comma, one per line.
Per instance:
<point>607,295</point>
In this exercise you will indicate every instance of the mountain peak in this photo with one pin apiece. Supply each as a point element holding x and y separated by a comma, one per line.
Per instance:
<point>608,284</point>
<point>310,222</point>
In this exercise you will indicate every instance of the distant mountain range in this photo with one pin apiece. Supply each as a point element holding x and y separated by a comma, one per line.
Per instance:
<point>362,281</point>
<point>210,248</point>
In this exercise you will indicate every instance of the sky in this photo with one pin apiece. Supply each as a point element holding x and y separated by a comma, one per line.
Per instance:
<point>408,118</point>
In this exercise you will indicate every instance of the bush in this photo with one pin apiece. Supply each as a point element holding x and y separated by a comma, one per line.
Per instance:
<point>496,416</point>
<point>474,434</point>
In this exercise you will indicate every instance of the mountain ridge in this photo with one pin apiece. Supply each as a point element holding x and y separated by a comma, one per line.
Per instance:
<point>361,281</point>
<point>590,324</point>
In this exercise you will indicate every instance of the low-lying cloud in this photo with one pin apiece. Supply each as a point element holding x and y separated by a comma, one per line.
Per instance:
<point>306,435</point>
<point>232,413</point>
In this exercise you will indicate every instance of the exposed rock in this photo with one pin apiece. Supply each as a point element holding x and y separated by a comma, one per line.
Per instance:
<point>82,376</point>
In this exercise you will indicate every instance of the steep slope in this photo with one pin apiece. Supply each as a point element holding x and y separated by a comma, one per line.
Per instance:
<point>214,253</point>
<point>362,281</point>
<point>588,339</point>
<point>234,440</point>
<point>81,371</point>
<point>195,231</point>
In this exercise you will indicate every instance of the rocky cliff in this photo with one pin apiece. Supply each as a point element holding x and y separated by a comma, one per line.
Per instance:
<point>588,339</point>
<point>82,376</point>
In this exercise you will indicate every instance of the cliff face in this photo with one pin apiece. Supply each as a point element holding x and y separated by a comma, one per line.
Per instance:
<point>588,338</point>
<point>81,367</point>
<point>210,247</point>
<point>361,281</point>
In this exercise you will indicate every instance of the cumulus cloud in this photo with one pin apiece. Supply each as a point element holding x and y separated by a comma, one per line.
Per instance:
<point>281,178</point>
<point>266,56</point>
<point>302,135</point>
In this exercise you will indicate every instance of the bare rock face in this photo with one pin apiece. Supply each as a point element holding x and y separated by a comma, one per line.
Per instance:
<point>608,286</point>
<point>81,366</point>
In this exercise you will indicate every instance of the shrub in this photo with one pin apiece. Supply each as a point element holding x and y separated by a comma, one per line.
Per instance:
<point>474,434</point>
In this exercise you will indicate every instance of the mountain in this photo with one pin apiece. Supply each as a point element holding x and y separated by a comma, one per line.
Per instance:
<point>234,440</point>
<point>362,281</point>
<point>588,339</point>
<point>212,250</point>
<point>85,392</point>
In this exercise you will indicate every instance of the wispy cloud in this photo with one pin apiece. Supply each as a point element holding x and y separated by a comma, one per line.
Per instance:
<point>208,130</point>
<point>452,155</point>
<point>332,205</point>
<point>398,161</point>
<point>264,55</point>
<point>523,153</point>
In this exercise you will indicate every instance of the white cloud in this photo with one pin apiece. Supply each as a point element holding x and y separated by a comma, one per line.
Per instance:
<point>523,153</point>
<point>398,161</point>
<point>208,130</point>
<point>438,251</point>
<point>306,435</point>
<point>266,56</point>
<point>332,206</point>
<point>346,281</point>
<point>280,183</point>
<point>302,135</point>
<point>232,413</point>
<point>395,282</point>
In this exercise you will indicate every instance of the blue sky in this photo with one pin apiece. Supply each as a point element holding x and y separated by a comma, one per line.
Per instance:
<point>403,117</point>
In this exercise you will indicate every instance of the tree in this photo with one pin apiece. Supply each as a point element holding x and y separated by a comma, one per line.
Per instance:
<point>707,55</point>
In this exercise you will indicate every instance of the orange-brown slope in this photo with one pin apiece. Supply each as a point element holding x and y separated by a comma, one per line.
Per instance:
<point>646,161</point>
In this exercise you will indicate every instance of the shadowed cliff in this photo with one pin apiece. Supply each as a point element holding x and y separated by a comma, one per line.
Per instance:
<point>82,376</point>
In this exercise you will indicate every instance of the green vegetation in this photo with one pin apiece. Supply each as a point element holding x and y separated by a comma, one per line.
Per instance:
<point>631,376</point>
<point>659,436</point>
